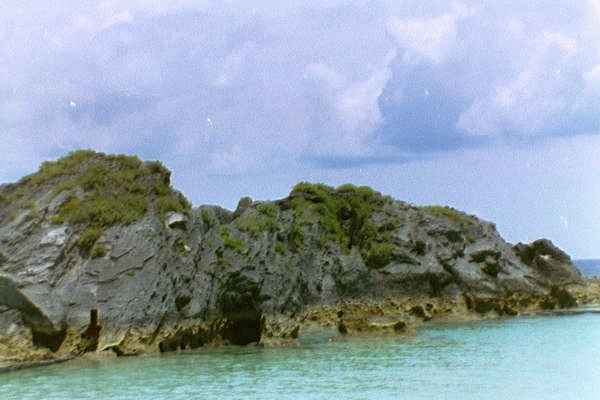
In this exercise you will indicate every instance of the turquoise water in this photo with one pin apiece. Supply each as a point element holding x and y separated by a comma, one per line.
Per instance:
<point>554,357</point>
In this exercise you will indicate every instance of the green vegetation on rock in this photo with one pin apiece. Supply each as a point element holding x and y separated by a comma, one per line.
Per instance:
<point>492,269</point>
<point>232,243</point>
<point>104,191</point>
<point>261,219</point>
<point>279,247</point>
<point>208,219</point>
<point>483,255</point>
<point>180,246</point>
<point>296,238</point>
<point>98,251</point>
<point>490,258</point>
<point>88,238</point>
<point>345,214</point>
<point>379,255</point>
<point>449,213</point>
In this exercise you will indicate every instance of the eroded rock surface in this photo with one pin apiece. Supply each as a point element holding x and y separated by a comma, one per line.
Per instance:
<point>172,277</point>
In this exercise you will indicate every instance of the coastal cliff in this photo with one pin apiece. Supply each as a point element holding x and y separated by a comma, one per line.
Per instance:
<point>99,253</point>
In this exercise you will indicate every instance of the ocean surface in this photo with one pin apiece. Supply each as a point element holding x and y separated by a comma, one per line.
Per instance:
<point>541,357</point>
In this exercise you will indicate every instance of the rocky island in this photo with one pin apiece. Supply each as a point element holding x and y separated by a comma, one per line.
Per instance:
<point>99,254</point>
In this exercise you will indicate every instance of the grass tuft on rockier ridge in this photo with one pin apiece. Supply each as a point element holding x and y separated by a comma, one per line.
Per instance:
<point>345,214</point>
<point>449,213</point>
<point>104,191</point>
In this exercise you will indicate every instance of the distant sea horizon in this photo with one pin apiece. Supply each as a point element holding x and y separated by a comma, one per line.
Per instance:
<point>589,267</point>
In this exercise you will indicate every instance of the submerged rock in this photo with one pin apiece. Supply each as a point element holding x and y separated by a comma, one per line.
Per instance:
<point>99,253</point>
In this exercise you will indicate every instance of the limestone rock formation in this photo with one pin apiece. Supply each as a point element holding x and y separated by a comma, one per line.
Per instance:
<point>99,253</point>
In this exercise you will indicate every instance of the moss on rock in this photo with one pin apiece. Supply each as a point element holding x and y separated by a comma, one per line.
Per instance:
<point>491,269</point>
<point>88,238</point>
<point>345,215</point>
<point>261,219</point>
<point>98,251</point>
<point>484,255</point>
<point>232,243</point>
<point>449,213</point>
<point>379,255</point>
<point>105,190</point>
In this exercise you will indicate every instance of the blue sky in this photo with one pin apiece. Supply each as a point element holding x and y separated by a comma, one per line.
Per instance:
<point>490,106</point>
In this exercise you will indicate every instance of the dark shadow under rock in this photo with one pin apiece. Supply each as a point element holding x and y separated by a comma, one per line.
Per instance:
<point>239,302</point>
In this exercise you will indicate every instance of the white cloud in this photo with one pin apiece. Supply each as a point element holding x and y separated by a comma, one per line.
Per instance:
<point>354,106</point>
<point>566,44</point>
<point>357,106</point>
<point>534,98</point>
<point>430,37</point>
<point>285,81</point>
<point>595,9</point>
<point>327,75</point>
<point>593,75</point>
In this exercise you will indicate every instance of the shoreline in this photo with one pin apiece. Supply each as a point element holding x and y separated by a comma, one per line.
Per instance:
<point>390,317</point>
<point>314,332</point>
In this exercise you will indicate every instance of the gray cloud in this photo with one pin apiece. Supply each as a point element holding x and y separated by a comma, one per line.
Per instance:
<point>236,86</point>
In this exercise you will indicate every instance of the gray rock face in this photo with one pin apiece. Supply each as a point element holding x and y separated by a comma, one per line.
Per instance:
<point>214,276</point>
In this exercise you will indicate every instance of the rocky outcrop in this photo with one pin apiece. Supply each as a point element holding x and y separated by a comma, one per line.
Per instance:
<point>549,261</point>
<point>80,273</point>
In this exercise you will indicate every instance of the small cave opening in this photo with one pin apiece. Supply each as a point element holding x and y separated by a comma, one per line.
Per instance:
<point>239,302</point>
<point>51,340</point>
<point>243,328</point>
<point>91,335</point>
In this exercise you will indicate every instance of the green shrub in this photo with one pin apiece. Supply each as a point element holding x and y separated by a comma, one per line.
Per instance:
<point>69,165</point>
<point>3,259</point>
<point>207,219</point>
<point>33,213</point>
<point>117,190</point>
<point>483,255</point>
<point>279,247</point>
<point>158,168</point>
<point>454,236</point>
<point>88,239</point>
<point>379,255</point>
<point>262,219</point>
<point>180,246</point>
<point>170,203</point>
<point>234,244</point>
<point>344,213</point>
<point>449,213</point>
<point>267,209</point>
<point>102,211</point>
<point>491,269</point>
<point>296,238</point>
<point>98,251</point>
